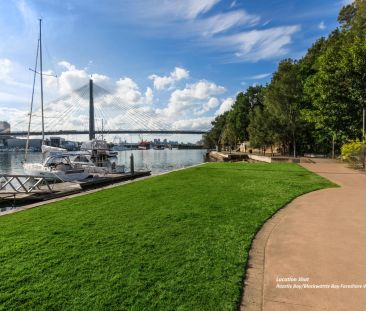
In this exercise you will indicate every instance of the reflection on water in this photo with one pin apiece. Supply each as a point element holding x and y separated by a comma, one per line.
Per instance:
<point>155,160</point>
<point>11,162</point>
<point>161,160</point>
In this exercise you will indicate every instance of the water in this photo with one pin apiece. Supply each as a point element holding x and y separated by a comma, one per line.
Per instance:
<point>157,161</point>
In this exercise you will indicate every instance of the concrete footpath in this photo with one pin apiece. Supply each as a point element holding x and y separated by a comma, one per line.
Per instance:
<point>312,254</point>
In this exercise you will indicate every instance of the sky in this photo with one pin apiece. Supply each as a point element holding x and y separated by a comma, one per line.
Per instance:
<point>174,64</point>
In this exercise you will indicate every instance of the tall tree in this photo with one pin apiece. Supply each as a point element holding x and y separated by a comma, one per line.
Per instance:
<point>283,100</point>
<point>213,138</point>
<point>338,89</point>
<point>262,131</point>
<point>238,117</point>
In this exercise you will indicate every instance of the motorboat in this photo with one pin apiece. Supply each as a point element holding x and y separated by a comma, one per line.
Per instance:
<point>56,166</point>
<point>95,157</point>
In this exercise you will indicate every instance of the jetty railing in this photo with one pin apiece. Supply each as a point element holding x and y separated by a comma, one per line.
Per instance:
<point>13,184</point>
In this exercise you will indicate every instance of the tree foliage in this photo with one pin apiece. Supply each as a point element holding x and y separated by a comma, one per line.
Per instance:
<point>309,102</point>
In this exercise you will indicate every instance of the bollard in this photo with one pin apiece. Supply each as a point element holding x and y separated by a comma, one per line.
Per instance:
<point>132,165</point>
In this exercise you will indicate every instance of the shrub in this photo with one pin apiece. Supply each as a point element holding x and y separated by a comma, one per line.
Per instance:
<point>352,148</point>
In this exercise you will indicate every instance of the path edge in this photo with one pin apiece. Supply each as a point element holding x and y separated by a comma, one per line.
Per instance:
<point>251,298</point>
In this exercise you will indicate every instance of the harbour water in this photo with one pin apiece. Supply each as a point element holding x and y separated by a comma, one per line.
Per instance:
<point>157,161</point>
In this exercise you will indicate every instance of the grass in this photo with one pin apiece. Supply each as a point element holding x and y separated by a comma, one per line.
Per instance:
<point>173,242</point>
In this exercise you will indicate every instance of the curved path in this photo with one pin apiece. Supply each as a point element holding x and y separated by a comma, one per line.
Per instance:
<point>320,237</point>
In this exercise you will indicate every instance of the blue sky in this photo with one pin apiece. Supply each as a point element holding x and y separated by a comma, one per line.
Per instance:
<point>181,62</point>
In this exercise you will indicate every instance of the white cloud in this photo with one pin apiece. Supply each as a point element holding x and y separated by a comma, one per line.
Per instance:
<point>222,30</point>
<point>225,21</point>
<point>187,9</point>
<point>70,79</point>
<point>9,72</point>
<point>213,102</point>
<point>194,124</point>
<point>29,17</point>
<point>14,116</point>
<point>6,67</point>
<point>200,90</point>
<point>321,26</point>
<point>260,44</point>
<point>225,106</point>
<point>6,98</point>
<point>149,96</point>
<point>127,90</point>
<point>192,99</point>
<point>259,76</point>
<point>233,4</point>
<point>13,90</point>
<point>162,82</point>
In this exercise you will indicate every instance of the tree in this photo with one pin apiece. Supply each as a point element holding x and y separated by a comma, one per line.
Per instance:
<point>213,137</point>
<point>238,116</point>
<point>283,102</point>
<point>261,128</point>
<point>338,88</point>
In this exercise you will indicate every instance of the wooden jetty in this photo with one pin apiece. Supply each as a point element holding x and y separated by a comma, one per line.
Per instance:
<point>49,191</point>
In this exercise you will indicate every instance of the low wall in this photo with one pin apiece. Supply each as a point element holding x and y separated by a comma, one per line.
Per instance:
<point>223,156</point>
<point>273,159</point>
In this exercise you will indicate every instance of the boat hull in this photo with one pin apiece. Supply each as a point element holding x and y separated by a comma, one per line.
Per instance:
<point>35,169</point>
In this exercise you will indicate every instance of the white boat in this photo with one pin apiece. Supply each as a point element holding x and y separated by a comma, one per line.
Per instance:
<point>95,158</point>
<point>56,167</point>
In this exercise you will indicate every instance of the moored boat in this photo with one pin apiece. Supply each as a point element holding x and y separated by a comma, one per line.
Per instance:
<point>144,145</point>
<point>56,166</point>
<point>95,157</point>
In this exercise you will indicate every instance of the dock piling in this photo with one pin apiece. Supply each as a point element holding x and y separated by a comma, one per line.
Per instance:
<point>132,165</point>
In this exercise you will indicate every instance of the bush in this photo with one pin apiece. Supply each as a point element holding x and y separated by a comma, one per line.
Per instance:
<point>351,149</point>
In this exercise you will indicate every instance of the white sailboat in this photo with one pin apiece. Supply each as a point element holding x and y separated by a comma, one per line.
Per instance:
<point>56,164</point>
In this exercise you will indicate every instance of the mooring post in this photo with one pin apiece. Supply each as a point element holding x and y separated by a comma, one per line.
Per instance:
<point>91,111</point>
<point>132,165</point>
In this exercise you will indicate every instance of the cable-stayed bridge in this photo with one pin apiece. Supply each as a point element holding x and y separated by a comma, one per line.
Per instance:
<point>92,110</point>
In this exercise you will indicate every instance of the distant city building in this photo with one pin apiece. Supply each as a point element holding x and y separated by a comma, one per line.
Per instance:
<point>4,127</point>
<point>17,143</point>
<point>4,141</point>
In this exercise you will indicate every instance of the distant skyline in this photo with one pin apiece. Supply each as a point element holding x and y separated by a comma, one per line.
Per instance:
<point>183,61</point>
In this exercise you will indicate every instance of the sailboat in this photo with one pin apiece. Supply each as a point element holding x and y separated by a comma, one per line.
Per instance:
<point>56,164</point>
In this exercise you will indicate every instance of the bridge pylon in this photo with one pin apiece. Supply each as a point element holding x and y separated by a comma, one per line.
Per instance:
<point>91,111</point>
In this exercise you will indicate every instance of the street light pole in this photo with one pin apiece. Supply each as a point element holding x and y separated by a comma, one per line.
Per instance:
<point>363,123</point>
<point>363,137</point>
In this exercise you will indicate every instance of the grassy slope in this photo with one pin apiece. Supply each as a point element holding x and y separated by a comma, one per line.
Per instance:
<point>174,242</point>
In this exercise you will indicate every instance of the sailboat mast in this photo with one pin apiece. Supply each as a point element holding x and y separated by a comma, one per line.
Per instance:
<point>41,74</point>
<point>31,105</point>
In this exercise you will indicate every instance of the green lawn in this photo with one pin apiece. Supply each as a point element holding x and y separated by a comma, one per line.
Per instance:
<point>173,242</point>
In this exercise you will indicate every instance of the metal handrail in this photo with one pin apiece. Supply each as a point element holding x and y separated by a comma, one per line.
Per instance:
<point>24,183</point>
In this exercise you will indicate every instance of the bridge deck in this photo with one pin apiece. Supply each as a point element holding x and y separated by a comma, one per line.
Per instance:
<point>77,132</point>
